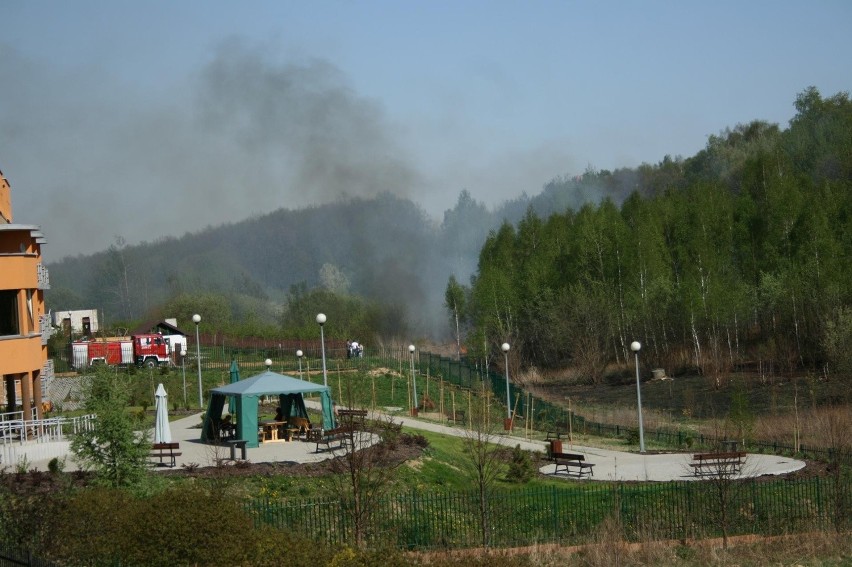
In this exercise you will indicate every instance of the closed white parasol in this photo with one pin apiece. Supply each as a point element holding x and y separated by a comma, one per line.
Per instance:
<point>162,430</point>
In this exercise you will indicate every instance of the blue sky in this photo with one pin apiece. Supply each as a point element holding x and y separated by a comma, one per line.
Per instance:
<point>146,119</point>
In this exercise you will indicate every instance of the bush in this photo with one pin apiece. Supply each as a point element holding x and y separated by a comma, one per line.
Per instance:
<point>521,469</point>
<point>175,527</point>
<point>56,465</point>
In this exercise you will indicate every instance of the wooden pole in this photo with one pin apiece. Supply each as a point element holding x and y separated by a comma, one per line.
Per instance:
<point>532,401</point>
<point>373,377</point>
<point>453,395</point>
<point>441,402</point>
<point>408,382</point>
<point>340,387</point>
<point>515,410</point>
<point>570,427</point>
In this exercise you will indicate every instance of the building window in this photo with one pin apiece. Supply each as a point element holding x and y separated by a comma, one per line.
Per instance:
<point>9,324</point>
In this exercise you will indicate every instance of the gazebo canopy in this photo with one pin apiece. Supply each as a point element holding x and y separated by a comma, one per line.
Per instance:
<point>246,394</point>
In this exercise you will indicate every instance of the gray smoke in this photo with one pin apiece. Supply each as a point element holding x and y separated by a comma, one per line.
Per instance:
<point>91,158</point>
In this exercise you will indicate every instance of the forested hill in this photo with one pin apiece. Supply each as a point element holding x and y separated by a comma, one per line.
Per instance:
<point>251,276</point>
<point>739,255</point>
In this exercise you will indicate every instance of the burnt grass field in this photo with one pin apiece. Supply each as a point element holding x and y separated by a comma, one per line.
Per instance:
<point>699,397</point>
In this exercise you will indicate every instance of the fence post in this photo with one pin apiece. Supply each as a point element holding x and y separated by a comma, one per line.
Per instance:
<point>819,502</point>
<point>416,521</point>
<point>554,507</point>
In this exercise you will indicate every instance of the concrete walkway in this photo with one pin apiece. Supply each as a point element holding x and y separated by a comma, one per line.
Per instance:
<point>609,464</point>
<point>621,465</point>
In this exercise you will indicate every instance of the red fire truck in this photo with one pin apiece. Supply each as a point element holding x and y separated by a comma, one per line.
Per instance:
<point>149,350</point>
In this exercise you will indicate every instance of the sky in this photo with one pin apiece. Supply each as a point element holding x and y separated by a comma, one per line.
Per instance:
<point>139,120</point>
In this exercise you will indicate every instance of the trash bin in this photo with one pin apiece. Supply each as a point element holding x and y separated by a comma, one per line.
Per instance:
<point>555,447</point>
<point>507,424</point>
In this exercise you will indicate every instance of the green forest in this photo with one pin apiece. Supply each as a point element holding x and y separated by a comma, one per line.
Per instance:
<point>737,257</point>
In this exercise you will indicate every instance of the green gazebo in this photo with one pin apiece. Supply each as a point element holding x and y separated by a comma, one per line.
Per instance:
<point>246,394</point>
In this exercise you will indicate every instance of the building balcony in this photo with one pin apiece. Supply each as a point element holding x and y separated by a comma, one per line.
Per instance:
<point>20,354</point>
<point>20,271</point>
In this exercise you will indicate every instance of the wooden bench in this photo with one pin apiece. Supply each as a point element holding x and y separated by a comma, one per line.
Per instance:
<point>569,461</point>
<point>166,451</point>
<point>557,430</point>
<point>362,413</point>
<point>730,462</point>
<point>457,417</point>
<point>337,436</point>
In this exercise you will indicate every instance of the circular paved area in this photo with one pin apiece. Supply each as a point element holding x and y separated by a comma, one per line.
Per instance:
<point>619,465</point>
<point>609,464</point>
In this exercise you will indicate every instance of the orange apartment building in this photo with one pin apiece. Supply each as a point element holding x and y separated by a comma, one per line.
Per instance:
<point>24,327</point>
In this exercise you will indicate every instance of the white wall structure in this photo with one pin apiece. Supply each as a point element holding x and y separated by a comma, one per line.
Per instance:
<point>80,320</point>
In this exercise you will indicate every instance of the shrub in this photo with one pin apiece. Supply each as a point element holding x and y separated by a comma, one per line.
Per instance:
<point>56,465</point>
<point>521,468</point>
<point>174,527</point>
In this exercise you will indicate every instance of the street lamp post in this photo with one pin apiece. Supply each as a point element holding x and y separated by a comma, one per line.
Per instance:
<point>411,349</point>
<point>197,319</point>
<point>635,346</point>
<point>505,349</point>
<point>321,319</point>
<point>299,355</point>
<point>183,367</point>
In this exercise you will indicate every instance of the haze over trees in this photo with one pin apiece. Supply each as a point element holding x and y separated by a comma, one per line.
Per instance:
<point>735,254</point>
<point>739,254</point>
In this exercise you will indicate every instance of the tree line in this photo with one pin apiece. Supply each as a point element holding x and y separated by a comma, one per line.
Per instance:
<point>736,256</point>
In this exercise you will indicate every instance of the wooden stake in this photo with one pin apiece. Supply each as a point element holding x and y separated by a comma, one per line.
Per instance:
<point>340,388</point>
<point>441,403</point>
<point>570,427</point>
<point>408,383</point>
<point>532,401</point>
<point>514,410</point>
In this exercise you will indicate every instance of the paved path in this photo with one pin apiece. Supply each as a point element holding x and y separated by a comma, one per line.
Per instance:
<point>622,465</point>
<point>609,464</point>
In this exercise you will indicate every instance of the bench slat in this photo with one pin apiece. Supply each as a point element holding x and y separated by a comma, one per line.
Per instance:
<point>338,434</point>
<point>166,451</point>
<point>573,460</point>
<point>705,463</point>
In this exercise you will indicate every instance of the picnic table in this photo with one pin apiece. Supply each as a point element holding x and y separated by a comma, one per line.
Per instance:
<point>276,431</point>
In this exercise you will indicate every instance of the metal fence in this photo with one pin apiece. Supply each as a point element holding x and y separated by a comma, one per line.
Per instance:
<point>21,438</point>
<point>547,417</point>
<point>12,558</point>
<point>217,352</point>
<point>570,515</point>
